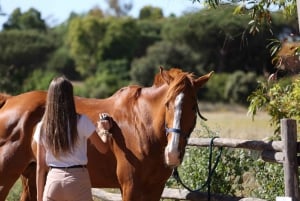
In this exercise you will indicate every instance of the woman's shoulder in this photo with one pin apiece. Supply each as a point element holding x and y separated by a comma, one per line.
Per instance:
<point>84,119</point>
<point>85,125</point>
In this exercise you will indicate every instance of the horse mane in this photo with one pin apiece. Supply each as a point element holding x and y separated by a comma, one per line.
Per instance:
<point>181,80</point>
<point>3,98</point>
<point>132,92</point>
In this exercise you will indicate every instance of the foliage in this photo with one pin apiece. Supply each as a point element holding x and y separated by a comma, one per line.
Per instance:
<point>120,39</point>
<point>239,173</point>
<point>259,11</point>
<point>88,44</point>
<point>280,99</point>
<point>230,88</point>
<point>166,54</point>
<point>24,21</point>
<point>21,52</point>
<point>214,89</point>
<point>85,38</point>
<point>151,13</point>
<point>239,86</point>
<point>150,32</point>
<point>38,80</point>
<point>270,178</point>
<point>220,41</point>
<point>15,192</point>
<point>94,40</point>
<point>62,63</point>
<point>105,82</point>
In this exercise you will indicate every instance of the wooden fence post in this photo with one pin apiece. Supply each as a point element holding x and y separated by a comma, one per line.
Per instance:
<point>290,165</point>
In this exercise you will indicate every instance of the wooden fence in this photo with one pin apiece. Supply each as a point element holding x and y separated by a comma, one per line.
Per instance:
<point>284,152</point>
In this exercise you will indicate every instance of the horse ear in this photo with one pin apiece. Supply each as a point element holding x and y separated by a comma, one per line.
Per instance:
<point>165,75</point>
<point>202,80</point>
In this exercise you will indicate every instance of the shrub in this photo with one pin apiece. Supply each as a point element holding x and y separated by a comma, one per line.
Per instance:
<point>280,100</point>
<point>239,172</point>
<point>230,88</point>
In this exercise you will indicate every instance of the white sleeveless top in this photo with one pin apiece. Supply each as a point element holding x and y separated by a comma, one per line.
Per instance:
<point>85,128</point>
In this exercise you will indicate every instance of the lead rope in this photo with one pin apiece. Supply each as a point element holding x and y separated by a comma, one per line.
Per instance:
<point>211,170</point>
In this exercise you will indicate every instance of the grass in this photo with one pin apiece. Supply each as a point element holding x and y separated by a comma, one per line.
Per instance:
<point>230,121</point>
<point>15,192</point>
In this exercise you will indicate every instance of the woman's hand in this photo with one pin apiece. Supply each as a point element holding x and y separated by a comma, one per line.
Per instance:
<point>103,126</point>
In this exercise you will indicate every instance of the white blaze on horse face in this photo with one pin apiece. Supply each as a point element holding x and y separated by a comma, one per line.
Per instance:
<point>172,153</point>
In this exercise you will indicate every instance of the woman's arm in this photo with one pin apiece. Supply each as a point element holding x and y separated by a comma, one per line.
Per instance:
<point>41,171</point>
<point>102,135</point>
<point>98,143</point>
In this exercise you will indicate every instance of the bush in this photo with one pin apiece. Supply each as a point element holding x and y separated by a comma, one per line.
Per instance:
<point>280,100</point>
<point>239,172</point>
<point>230,88</point>
<point>214,89</point>
<point>239,86</point>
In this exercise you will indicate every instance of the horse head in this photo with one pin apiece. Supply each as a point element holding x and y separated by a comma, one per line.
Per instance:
<point>181,109</point>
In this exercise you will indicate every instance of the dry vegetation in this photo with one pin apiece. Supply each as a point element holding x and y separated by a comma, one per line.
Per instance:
<point>232,121</point>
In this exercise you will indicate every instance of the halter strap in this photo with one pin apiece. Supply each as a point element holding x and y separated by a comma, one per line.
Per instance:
<point>173,130</point>
<point>200,115</point>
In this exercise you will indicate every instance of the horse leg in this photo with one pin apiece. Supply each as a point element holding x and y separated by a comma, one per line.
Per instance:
<point>9,172</point>
<point>28,183</point>
<point>6,183</point>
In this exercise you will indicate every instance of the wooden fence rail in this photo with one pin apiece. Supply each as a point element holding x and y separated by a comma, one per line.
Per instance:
<point>284,152</point>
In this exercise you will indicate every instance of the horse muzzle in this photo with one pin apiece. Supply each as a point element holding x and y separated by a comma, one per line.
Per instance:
<point>172,156</point>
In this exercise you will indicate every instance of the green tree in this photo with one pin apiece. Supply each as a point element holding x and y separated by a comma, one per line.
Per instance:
<point>150,33</point>
<point>151,13</point>
<point>220,40</point>
<point>259,11</point>
<point>30,19</point>
<point>166,54</point>
<point>94,40</point>
<point>105,82</point>
<point>279,99</point>
<point>85,39</point>
<point>120,40</point>
<point>239,86</point>
<point>60,61</point>
<point>21,52</point>
<point>38,80</point>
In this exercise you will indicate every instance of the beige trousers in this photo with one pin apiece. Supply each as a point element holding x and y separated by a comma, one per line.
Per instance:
<point>71,184</point>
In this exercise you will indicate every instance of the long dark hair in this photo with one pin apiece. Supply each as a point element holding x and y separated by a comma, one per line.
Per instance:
<point>60,118</point>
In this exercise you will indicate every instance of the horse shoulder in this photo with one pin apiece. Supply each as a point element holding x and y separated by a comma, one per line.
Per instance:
<point>21,112</point>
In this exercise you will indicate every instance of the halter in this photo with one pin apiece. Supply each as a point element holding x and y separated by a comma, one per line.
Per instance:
<point>172,130</point>
<point>177,130</point>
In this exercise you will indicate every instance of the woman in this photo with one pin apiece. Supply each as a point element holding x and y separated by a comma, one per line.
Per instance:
<point>61,139</point>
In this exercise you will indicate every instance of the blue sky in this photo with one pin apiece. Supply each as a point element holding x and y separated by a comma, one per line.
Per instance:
<point>57,11</point>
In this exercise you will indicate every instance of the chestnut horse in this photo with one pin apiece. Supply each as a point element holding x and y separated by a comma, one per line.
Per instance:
<point>150,132</point>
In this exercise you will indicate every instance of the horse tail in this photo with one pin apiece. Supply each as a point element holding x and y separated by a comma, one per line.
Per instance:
<point>3,98</point>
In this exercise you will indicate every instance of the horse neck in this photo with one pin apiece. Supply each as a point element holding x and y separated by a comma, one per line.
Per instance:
<point>155,97</point>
